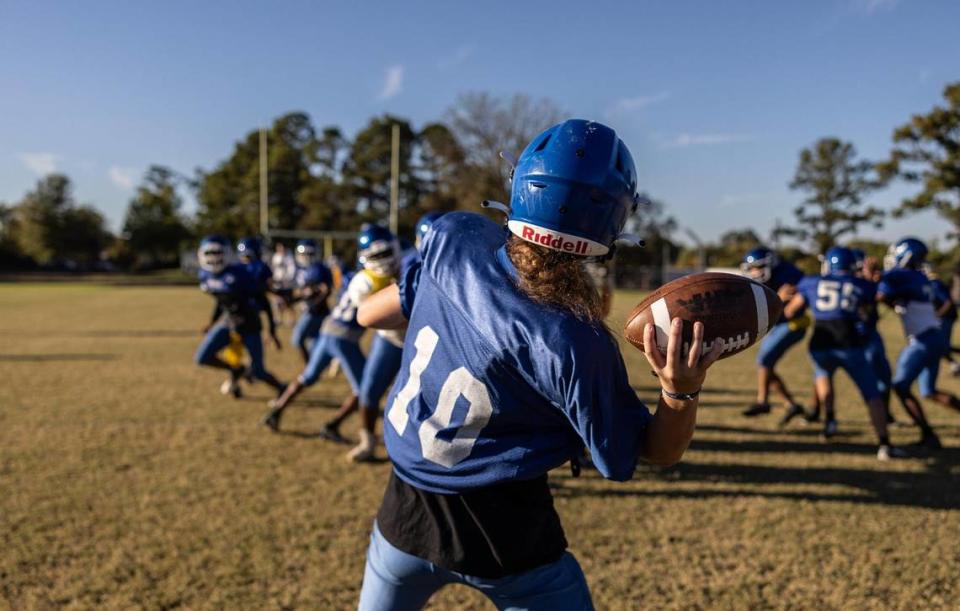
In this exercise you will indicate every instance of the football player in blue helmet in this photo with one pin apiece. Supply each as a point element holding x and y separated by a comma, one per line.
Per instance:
<point>424,224</point>
<point>379,256</point>
<point>312,286</point>
<point>507,372</point>
<point>250,253</point>
<point>838,300</point>
<point>306,253</point>
<point>764,265</point>
<point>237,311</point>
<point>906,289</point>
<point>946,312</point>
<point>340,334</point>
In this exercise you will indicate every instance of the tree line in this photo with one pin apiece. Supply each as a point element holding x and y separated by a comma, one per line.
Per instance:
<point>321,179</point>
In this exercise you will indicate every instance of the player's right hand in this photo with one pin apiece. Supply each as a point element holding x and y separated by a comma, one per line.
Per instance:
<point>678,372</point>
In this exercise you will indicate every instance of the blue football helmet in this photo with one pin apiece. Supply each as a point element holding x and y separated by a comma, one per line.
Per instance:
<point>838,260</point>
<point>423,225</point>
<point>859,256</point>
<point>759,262</point>
<point>377,249</point>
<point>306,252</point>
<point>909,253</point>
<point>573,188</point>
<point>250,249</point>
<point>212,253</point>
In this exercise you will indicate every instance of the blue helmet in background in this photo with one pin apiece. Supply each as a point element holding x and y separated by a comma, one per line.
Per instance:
<point>838,260</point>
<point>212,253</point>
<point>908,253</point>
<point>377,249</point>
<point>423,225</point>
<point>573,188</point>
<point>859,256</point>
<point>250,248</point>
<point>759,262</point>
<point>306,252</point>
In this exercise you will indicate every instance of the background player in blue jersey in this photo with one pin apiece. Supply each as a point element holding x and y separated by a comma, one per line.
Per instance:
<point>250,253</point>
<point>339,339</point>
<point>876,352</point>
<point>839,300</point>
<point>312,283</point>
<point>764,265</point>
<point>946,312</point>
<point>311,288</point>
<point>905,288</point>
<point>237,311</point>
<point>508,371</point>
<point>379,253</point>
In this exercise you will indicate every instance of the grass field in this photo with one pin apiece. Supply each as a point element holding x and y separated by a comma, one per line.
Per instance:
<point>127,481</point>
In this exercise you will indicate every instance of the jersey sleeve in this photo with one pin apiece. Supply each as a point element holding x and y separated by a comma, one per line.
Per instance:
<point>589,382</point>
<point>807,288</point>
<point>408,282</point>
<point>888,286</point>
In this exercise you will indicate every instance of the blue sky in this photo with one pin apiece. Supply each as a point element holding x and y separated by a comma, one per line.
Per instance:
<point>715,99</point>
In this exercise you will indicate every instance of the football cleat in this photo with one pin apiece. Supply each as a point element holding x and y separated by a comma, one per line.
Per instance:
<point>929,441</point>
<point>830,428</point>
<point>272,420</point>
<point>794,412</point>
<point>230,387</point>
<point>331,434</point>
<point>363,451</point>
<point>756,410</point>
<point>812,416</point>
<point>886,452</point>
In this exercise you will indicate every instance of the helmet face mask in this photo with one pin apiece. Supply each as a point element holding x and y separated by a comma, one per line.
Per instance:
<point>305,253</point>
<point>212,255</point>
<point>759,263</point>
<point>908,253</point>
<point>380,257</point>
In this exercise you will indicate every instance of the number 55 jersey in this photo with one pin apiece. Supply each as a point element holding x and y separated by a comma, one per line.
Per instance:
<point>495,387</point>
<point>838,303</point>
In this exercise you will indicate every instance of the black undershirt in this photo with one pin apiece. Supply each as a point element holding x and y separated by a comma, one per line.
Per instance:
<point>489,532</point>
<point>829,334</point>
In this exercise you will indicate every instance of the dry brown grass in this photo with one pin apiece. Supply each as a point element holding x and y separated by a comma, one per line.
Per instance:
<point>126,481</point>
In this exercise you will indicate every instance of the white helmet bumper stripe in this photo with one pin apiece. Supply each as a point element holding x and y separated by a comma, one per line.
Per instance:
<point>557,240</point>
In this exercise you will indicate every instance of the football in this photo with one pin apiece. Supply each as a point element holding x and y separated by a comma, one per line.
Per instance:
<point>733,309</point>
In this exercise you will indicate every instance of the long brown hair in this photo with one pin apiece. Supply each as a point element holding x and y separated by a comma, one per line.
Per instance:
<point>555,279</point>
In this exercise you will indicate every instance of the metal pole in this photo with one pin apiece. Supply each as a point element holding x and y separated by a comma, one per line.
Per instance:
<point>264,210</point>
<point>395,179</point>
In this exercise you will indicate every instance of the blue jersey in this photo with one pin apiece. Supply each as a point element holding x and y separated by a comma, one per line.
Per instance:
<point>236,293</point>
<point>494,387</point>
<point>912,296</point>
<point>782,274</point>
<point>260,272</point>
<point>311,276</point>
<point>839,304</point>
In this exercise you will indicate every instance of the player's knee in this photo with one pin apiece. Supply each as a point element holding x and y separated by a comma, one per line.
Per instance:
<point>202,357</point>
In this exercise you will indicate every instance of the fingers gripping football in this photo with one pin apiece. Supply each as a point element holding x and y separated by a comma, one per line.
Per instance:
<point>679,371</point>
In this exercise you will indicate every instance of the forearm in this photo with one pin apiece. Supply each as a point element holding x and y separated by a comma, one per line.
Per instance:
<point>670,431</point>
<point>265,306</point>
<point>382,310</point>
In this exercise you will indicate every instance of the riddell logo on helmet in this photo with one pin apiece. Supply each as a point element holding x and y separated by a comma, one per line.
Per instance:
<point>556,240</point>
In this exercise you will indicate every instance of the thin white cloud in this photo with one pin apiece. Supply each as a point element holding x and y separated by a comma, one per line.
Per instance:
<point>626,106</point>
<point>392,83</point>
<point>124,178</point>
<point>872,7</point>
<point>685,140</point>
<point>460,55</point>
<point>40,164</point>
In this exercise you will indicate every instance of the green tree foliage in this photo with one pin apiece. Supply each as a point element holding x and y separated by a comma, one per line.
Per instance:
<point>51,228</point>
<point>154,227</point>
<point>229,196</point>
<point>927,153</point>
<point>835,183</point>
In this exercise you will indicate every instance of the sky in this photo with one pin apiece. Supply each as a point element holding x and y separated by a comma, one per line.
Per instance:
<point>714,99</point>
